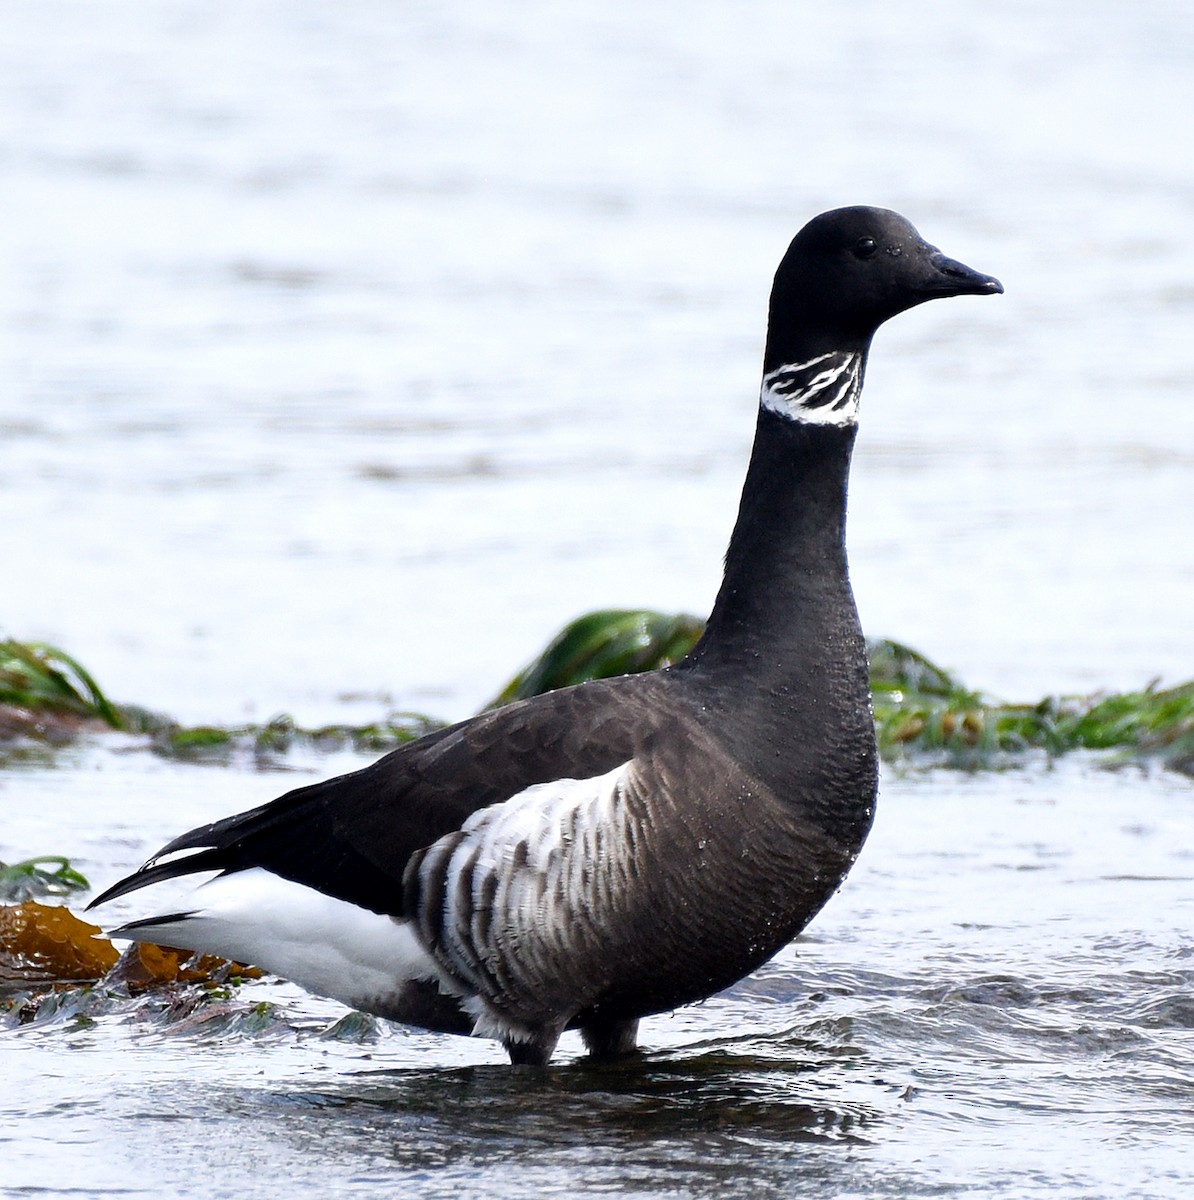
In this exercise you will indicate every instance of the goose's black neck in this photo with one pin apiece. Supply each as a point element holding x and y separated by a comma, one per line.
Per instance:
<point>786,584</point>
<point>781,668</point>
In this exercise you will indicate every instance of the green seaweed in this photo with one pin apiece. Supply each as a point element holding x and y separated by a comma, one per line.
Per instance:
<point>923,713</point>
<point>602,644</point>
<point>39,677</point>
<point>919,713</point>
<point>280,735</point>
<point>33,878</point>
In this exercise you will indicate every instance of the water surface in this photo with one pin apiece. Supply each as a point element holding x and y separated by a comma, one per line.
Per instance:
<point>357,351</point>
<point>1001,997</point>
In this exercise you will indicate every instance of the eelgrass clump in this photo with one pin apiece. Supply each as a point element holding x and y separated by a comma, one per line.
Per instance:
<point>603,644</point>
<point>35,878</point>
<point>922,709</point>
<point>43,688</point>
<point>48,696</point>
<point>222,743</point>
<point>1157,721</point>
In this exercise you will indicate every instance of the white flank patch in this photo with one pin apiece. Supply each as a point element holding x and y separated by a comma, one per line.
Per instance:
<point>558,822</point>
<point>330,947</point>
<point>554,853</point>
<point>822,391</point>
<point>539,815</point>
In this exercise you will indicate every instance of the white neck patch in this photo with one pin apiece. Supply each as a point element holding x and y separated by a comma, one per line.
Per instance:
<point>822,391</point>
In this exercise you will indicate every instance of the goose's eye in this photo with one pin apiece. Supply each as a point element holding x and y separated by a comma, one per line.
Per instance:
<point>865,247</point>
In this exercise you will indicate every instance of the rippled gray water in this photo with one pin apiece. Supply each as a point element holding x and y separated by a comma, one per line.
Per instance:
<point>1002,997</point>
<point>350,350</point>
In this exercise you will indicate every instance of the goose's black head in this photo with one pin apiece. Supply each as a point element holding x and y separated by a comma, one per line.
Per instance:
<point>849,270</point>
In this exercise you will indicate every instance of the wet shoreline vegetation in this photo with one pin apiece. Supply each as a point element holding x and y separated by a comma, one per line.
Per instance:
<point>924,716</point>
<point>57,969</point>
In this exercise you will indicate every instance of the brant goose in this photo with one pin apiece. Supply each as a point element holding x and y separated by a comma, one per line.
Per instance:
<point>593,855</point>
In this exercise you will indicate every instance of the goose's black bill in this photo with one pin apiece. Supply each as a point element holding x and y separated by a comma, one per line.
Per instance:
<point>952,278</point>
<point>591,856</point>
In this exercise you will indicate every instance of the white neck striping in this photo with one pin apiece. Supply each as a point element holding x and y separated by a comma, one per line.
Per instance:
<point>822,391</point>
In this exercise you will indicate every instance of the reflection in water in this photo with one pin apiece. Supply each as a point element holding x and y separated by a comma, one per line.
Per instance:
<point>717,1097</point>
<point>700,1122</point>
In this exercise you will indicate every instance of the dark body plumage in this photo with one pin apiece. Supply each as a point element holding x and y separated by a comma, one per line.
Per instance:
<point>590,856</point>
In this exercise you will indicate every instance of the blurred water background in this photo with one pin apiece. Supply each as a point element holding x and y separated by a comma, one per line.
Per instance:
<point>349,350</point>
<point>356,348</point>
